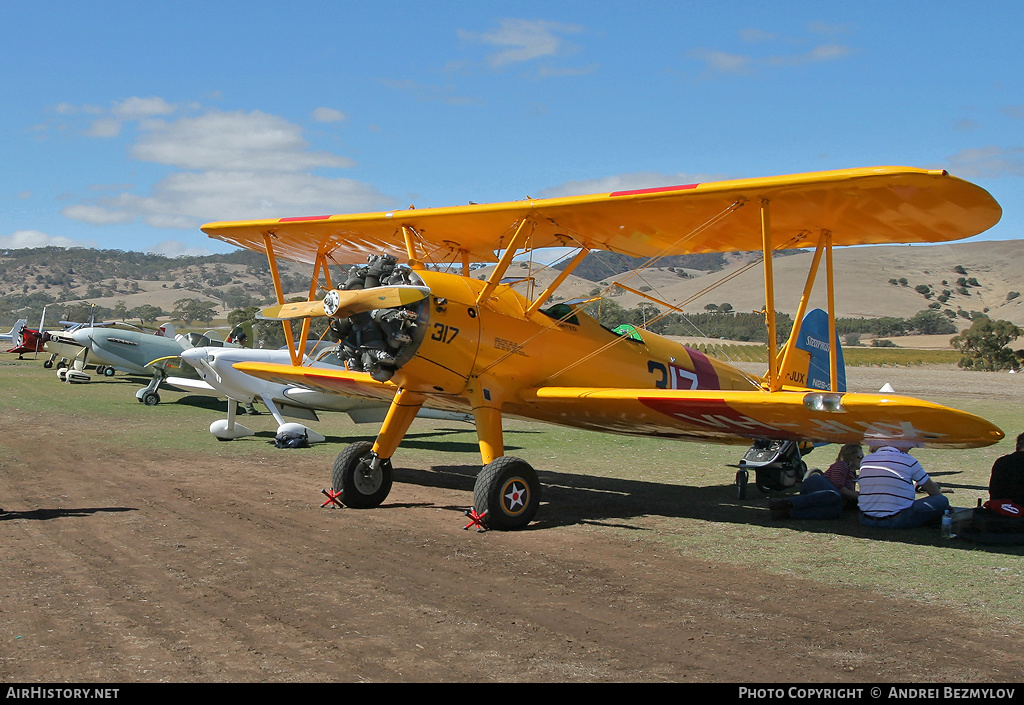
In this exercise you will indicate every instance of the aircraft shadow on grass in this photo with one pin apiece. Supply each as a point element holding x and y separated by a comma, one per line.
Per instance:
<point>578,498</point>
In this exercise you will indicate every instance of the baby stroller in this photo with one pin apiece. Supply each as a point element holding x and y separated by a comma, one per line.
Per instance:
<point>777,466</point>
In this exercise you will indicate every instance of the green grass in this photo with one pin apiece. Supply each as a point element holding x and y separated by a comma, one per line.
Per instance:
<point>667,496</point>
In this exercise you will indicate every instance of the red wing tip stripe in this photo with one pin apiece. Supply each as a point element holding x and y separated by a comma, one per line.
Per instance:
<point>304,218</point>
<point>659,189</point>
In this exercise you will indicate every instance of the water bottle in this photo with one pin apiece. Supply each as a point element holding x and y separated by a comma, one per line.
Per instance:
<point>947,524</point>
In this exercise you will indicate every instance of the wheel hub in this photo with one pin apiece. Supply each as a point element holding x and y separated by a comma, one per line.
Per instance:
<point>367,479</point>
<point>515,496</point>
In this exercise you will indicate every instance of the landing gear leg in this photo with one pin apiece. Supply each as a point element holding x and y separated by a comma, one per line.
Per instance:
<point>148,395</point>
<point>506,494</point>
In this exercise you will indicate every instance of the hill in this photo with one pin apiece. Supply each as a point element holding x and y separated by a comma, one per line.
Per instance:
<point>870,282</point>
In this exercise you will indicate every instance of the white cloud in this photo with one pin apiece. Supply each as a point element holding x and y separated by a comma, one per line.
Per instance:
<point>723,62</point>
<point>23,239</point>
<point>718,62</point>
<point>624,182</point>
<point>140,108</point>
<point>104,127</point>
<point>522,40</point>
<point>988,162</point>
<point>226,166</point>
<point>175,248</point>
<point>329,115</point>
<point>230,141</point>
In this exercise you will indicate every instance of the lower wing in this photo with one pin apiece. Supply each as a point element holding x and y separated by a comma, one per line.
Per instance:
<point>727,416</point>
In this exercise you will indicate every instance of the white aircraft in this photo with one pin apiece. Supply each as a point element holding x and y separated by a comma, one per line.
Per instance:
<point>215,366</point>
<point>15,331</point>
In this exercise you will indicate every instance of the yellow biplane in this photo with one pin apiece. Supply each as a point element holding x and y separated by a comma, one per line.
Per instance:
<point>416,335</point>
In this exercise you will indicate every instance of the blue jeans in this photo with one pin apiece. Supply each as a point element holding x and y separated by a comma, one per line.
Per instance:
<point>918,514</point>
<point>818,499</point>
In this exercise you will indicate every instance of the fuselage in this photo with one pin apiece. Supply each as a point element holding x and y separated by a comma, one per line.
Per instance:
<point>493,350</point>
<point>215,365</point>
<point>129,351</point>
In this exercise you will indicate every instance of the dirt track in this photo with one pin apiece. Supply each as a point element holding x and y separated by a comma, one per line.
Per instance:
<point>119,567</point>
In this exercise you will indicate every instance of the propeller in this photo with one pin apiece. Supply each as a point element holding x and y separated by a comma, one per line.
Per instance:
<point>342,304</point>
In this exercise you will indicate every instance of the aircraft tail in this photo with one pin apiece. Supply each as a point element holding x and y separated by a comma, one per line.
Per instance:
<point>15,331</point>
<point>807,363</point>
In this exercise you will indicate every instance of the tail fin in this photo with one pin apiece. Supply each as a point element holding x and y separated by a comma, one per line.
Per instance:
<point>15,331</point>
<point>807,363</point>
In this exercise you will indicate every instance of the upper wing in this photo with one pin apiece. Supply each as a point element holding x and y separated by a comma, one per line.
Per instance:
<point>858,206</point>
<point>733,416</point>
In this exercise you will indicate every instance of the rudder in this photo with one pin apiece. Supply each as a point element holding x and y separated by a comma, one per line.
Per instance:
<point>807,363</point>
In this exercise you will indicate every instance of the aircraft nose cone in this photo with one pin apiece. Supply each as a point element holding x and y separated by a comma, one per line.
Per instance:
<point>194,356</point>
<point>81,336</point>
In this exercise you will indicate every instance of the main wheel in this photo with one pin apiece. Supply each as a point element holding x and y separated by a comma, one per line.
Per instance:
<point>150,399</point>
<point>360,486</point>
<point>509,491</point>
<point>108,371</point>
<point>47,364</point>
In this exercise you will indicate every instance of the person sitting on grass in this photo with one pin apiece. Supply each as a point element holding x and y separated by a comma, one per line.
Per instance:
<point>823,496</point>
<point>1007,481</point>
<point>888,480</point>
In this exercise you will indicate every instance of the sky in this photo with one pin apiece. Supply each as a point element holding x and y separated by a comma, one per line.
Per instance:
<point>127,125</point>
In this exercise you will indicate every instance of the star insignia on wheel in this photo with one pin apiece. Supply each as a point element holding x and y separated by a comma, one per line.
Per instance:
<point>515,496</point>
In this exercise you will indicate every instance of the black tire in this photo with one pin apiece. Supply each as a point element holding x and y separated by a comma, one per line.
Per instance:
<point>509,491</point>
<point>360,488</point>
<point>108,371</point>
<point>150,399</point>
<point>47,364</point>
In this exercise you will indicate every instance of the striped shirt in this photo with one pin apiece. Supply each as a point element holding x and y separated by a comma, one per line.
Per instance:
<point>888,480</point>
<point>841,475</point>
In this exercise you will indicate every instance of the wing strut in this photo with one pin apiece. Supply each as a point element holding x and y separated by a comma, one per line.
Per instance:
<point>293,351</point>
<point>558,281</point>
<point>769,296</point>
<point>801,309</point>
<point>517,242</point>
<point>833,354</point>
<point>824,246</point>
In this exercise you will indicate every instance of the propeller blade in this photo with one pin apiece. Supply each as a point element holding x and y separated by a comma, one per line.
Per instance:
<point>286,312</point>
<point>342,304</point>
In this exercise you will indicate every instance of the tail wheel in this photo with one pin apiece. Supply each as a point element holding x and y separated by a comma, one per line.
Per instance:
<point>361,485</point>
<point>509,491</point>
